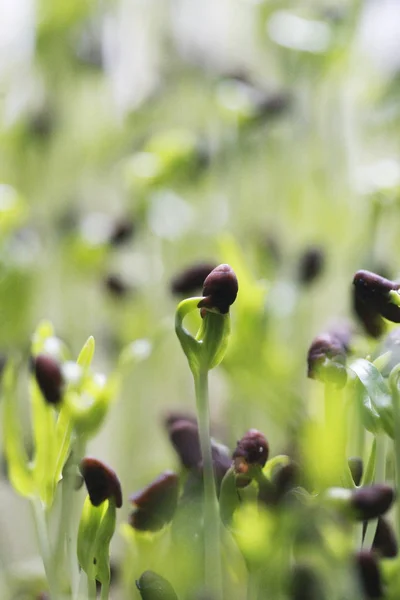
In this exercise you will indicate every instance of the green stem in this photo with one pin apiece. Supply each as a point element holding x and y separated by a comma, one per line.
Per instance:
<point>380,472</point>
<point>105,589</point>
<point>213,574</point>
<point>91,588</point>
<point>252,585</point>
<point>68,531</point>
<point>44,545</point>
<point>396,416</point>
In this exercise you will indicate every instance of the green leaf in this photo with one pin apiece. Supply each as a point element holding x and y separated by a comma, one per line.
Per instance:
<point>19,469</point>
<point>44,434</point>
<point>85,357</point>
<point>377,391</point>
<point>88,526</point>
<point>63,441</point>
<point>96,528</point>
<point>88,407</point>
<point>154,587</point>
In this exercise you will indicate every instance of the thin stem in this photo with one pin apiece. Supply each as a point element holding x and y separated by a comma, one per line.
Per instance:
<point>91,588</point>
<point>68,531</point>
<point>380,472</point>
<point>252,585</point>
<point>396,416</point>
<point>105,588</point>
<point>44,544</point>
<point>213,575</point>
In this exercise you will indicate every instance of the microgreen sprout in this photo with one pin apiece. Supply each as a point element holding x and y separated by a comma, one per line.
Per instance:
<point>204,352</point>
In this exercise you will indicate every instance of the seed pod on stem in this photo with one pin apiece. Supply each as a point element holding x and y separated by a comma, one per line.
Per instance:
<point>250,455</point>
<point>49,378</point>
<point>378,293</point>
<point>101,481</point>
<point>220,289</point>
<point>368,570</point>
<point>327,360</point>
<point>155,505</point>
<point>372,501</point>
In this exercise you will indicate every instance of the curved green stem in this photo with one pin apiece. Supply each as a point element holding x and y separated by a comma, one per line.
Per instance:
<point>213,574</point>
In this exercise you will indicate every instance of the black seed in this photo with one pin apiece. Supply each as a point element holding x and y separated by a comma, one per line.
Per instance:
<point>101,481</point>
<point>184,436</point>
<point>191,279</point>
<point>372,501</point>
<point>311,265</point>
<point>49,378</point>
<point>252,449</point>
<point>373,290</point>
<point>305,584</point>
<point>155,504</point>
<point>326,360</point>
<point>369,573</point>
<point>122,232</point>
<point>220,289</point>
<point>116,286</point>
<point>385,543</point>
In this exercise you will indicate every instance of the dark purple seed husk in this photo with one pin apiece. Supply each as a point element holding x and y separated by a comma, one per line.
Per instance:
<point>285,479</point>
<point>311,265</point>
<point>368,316</point>
<point>49,377</point>
<point>385,543</point>
<point>356,468</point>
<point>372,501</point>
<point>220,289</point>
<point>101,481</point>
<point>369,573</point>
<point>116,286</point>
<point>184,436</point>
<point>373,290</point>
<point>154,587</point>
<point>122,232</point>
<point>174,416</point>
<point>326,360</point>
<point>191,278</point>
<point>252,449</point>
<point>156,503</point>
<point>305,584</point>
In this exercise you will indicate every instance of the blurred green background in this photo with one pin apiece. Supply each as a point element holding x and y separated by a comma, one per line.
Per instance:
<point>239,131</point>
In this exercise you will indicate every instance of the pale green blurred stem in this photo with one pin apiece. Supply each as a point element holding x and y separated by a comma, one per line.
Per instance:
<point>91,588</point>
<point>44,545</point>
<point>380,474</point>
<point>79,449</point>
<point>105,588</point>
<point>213,575</point>
<point>67,530</point>
<point>396,415</point>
